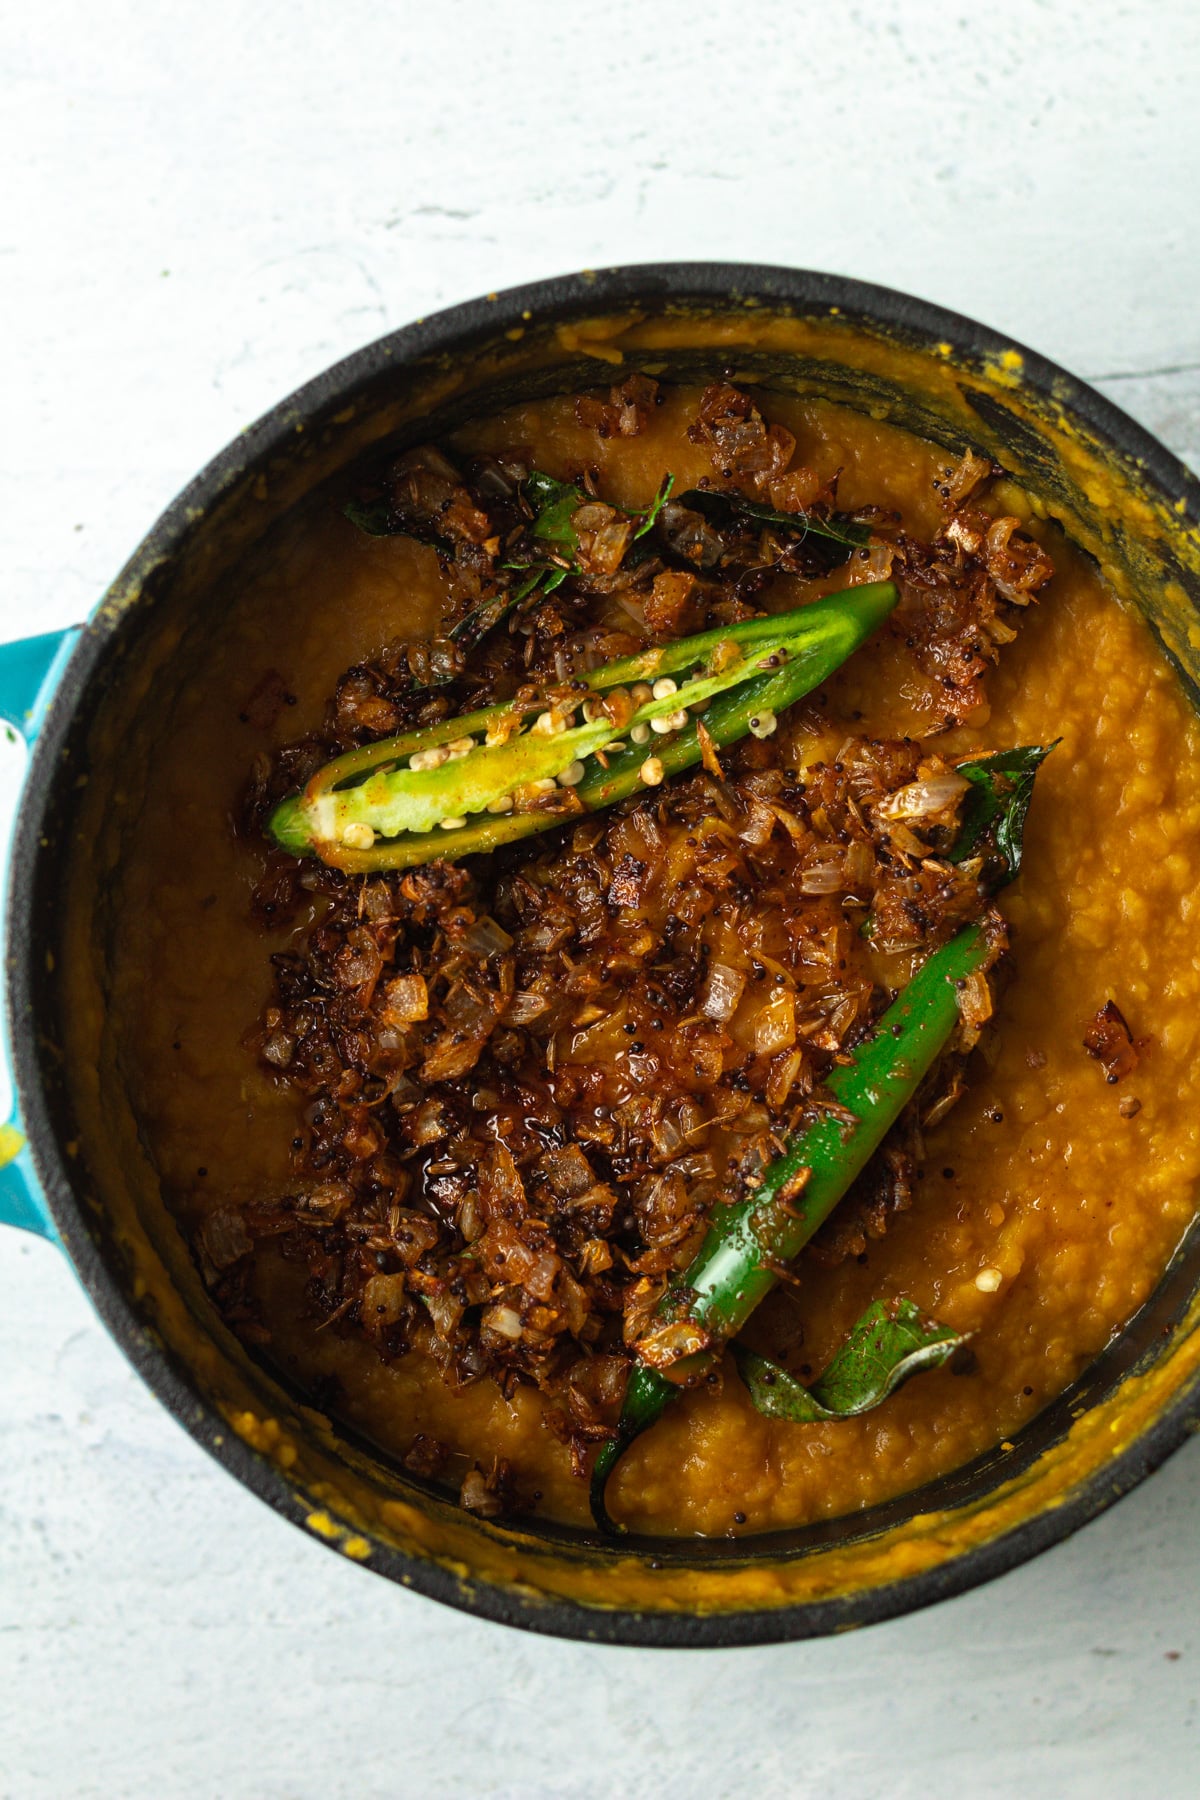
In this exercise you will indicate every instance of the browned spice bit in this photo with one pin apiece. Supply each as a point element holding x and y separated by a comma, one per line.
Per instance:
<point>625,411</point>
<point>1129,1107</point>
<point>1110,1041</point>
<point>884,1189</point>
<point>792,1190</point>
<point>751,454</point>
<point>426,1457</point>
<point>266,701</point>
<point>625,888</point>
<point>708,751</point>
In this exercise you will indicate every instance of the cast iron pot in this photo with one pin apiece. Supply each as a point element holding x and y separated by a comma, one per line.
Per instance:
<point>83,1178</point>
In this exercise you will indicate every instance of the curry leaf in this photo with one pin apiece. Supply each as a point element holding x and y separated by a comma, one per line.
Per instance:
<point>650,516</point>
<point>891,1341</point>
<point>555,504</point>
<point>542,490</point>
<point>474,626</point>
<point>993,812</point>
<point>726,508</point>
<point>382,518</point>
<point>375,517</point>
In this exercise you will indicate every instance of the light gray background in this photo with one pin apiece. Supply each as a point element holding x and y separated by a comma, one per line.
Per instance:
<point>200,207</point>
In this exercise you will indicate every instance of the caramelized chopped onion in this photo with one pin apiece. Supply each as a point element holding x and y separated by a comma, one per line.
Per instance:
<point>485,937</point>
<point>723,988</point>
<point>935,796</point>
<point>775,1026</point>
<point>407,999</point>
<point>524,1083</point>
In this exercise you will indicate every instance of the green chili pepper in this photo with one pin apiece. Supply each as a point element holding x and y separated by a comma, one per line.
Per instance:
<point>751,1241</point>
<point>372,809</point>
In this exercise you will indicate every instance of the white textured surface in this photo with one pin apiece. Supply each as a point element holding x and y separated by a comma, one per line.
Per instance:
<point>201,207</point>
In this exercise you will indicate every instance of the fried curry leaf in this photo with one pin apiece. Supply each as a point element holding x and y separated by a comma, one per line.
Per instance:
<point>726,508</point>
<point>650,516</point>
<point>382,518</point>
<point>375,517</point>
<point>555,503</point>
<point>474,626</point>
<point>993,812</point>
<point>891,1342</point>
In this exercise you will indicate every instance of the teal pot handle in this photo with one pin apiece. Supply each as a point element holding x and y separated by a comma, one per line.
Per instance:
<point>29,674</point>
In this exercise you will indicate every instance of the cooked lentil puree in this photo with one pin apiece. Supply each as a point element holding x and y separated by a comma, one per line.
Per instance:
<point>1048,1201</point>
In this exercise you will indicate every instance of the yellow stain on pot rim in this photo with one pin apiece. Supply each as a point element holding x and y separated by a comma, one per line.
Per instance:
<point>12,1143</point>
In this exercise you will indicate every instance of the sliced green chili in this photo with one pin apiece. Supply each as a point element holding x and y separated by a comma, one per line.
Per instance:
<point>371,809</point>
<point>751,1241</point>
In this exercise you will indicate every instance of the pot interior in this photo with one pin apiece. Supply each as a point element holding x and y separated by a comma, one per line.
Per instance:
<point>960,391</point>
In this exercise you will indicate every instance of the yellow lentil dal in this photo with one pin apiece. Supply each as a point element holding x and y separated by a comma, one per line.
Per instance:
<point>1043,1216</point>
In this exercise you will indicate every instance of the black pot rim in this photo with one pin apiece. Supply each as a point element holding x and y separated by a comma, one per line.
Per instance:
<point>453,328</point>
